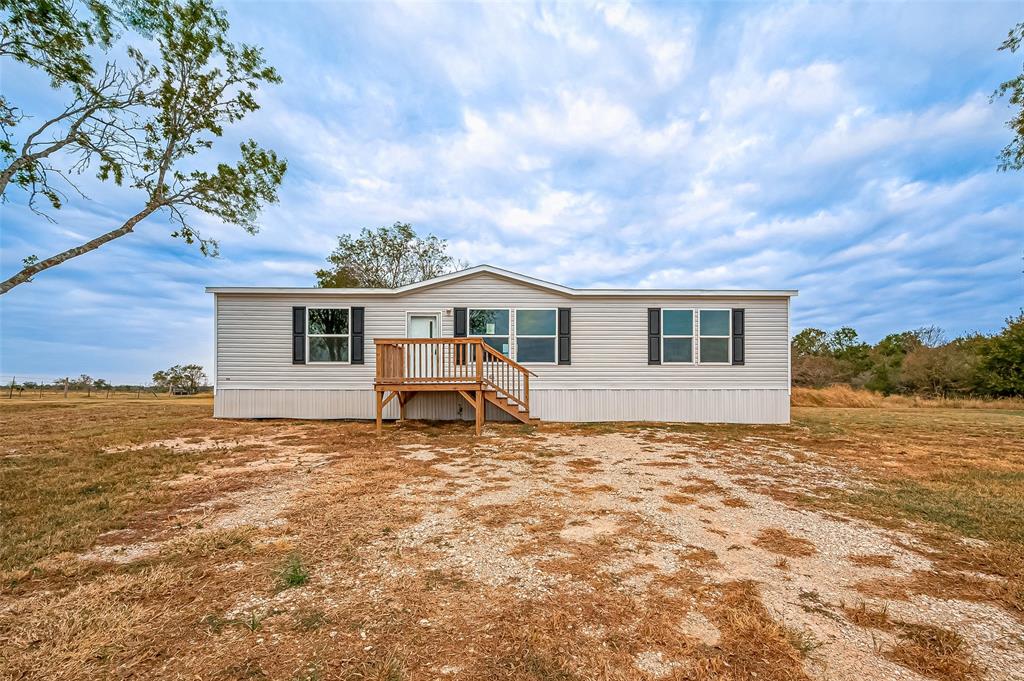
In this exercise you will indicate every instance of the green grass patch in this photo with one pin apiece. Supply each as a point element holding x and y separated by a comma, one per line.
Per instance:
<point>293,574</point>
<point>978,503</point>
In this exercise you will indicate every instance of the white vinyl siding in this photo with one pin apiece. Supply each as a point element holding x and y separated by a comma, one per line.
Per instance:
<point>609,337</point>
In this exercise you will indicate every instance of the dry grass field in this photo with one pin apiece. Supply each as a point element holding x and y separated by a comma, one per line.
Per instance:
<point>143,539</point>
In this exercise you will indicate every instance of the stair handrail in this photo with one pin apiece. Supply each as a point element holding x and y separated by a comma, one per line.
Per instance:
<point>509,391</point>
<point>508,360</point>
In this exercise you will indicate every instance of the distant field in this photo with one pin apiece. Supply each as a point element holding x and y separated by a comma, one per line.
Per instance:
<point>144,539</point>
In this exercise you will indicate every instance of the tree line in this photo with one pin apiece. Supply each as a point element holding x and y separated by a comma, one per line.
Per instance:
<point>180,379</point>
<point>922,361</point>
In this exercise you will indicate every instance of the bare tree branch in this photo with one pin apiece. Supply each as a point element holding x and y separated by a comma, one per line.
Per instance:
<point>36,266</point>
<point>97,125</point>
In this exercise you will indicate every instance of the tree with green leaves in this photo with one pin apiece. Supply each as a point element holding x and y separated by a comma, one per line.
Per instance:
<point>812,360</point>
<point>939,370</point>
<point>142,125</point>
<point>54,36</point>
<point>161,379</point>
<point>887,360</point>
<point>387,257</point>
<point>1002,360</point>
<point>810,342</point>
<point>1012,155</point>
<point>188,378</point>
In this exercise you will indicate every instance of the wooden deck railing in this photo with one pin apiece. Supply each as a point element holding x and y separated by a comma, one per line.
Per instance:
<point>508,377</point>
<point>404,361</point>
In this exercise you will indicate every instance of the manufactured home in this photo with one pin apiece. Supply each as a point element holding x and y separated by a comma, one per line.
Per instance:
<point>487,343</point>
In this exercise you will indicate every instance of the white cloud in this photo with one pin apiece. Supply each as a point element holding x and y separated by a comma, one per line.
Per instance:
<point>557,214</point>
<point>817,88</point>
<point>669,47</point>
<point>863,134</point>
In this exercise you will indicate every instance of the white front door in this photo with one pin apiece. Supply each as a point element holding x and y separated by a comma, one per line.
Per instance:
<point>423,358</point>
<point>423,326</point>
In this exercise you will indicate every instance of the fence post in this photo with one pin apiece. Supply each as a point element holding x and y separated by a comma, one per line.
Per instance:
<point>65,388</point>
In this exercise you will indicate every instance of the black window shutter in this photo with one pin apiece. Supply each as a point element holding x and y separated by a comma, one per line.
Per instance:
<point>564,335</point>
<point>460,322</point>
<point>298,335</point>
<point>461,326</point>
<point>654,335</point>
<point>358,337</point>
<point>738,335</point>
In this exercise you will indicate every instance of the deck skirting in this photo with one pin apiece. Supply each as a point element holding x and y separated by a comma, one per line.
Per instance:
<point>752,405</point>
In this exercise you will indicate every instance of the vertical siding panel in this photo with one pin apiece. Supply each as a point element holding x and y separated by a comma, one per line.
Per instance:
<point>708,406</point>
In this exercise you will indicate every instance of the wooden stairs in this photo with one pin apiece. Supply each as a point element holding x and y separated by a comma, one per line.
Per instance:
<point>513,409</point>
<point>467,366</point>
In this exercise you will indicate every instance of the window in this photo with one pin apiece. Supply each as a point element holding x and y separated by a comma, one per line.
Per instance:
<point>715,329</point>
<point>327,330</point>
<point>492,326</point>
<point>536,335</point>
<point>677,335</point>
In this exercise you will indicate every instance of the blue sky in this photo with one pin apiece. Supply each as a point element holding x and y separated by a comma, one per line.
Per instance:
<point>844,150</point>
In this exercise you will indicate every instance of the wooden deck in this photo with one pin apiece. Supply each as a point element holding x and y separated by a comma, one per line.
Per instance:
<point>469,367</point>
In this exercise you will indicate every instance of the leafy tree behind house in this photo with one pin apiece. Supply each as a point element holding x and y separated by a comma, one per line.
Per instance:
<point>386,257</point>
<point>142,124</point>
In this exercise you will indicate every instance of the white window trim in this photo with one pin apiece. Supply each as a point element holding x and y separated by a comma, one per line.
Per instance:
<point>554,338</point>
<point>511,328</point>
<point>728,338</point>
<point>692,336</point>
<point>309,357</point>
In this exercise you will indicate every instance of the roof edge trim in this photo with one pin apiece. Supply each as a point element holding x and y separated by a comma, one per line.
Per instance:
<point>507,274</point>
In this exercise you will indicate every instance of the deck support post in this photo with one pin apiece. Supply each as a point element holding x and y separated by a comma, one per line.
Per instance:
<point>380,411</point>
<point>479,411</point>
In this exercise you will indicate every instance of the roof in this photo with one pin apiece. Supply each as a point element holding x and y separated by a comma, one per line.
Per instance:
<point>513,276</point>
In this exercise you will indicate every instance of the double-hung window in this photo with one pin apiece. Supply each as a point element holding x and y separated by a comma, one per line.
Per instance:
<point>677,336</point>
<point>715,331</point>
<point>536,335</point>
<point>491,325</point>
<point>328,333</point>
